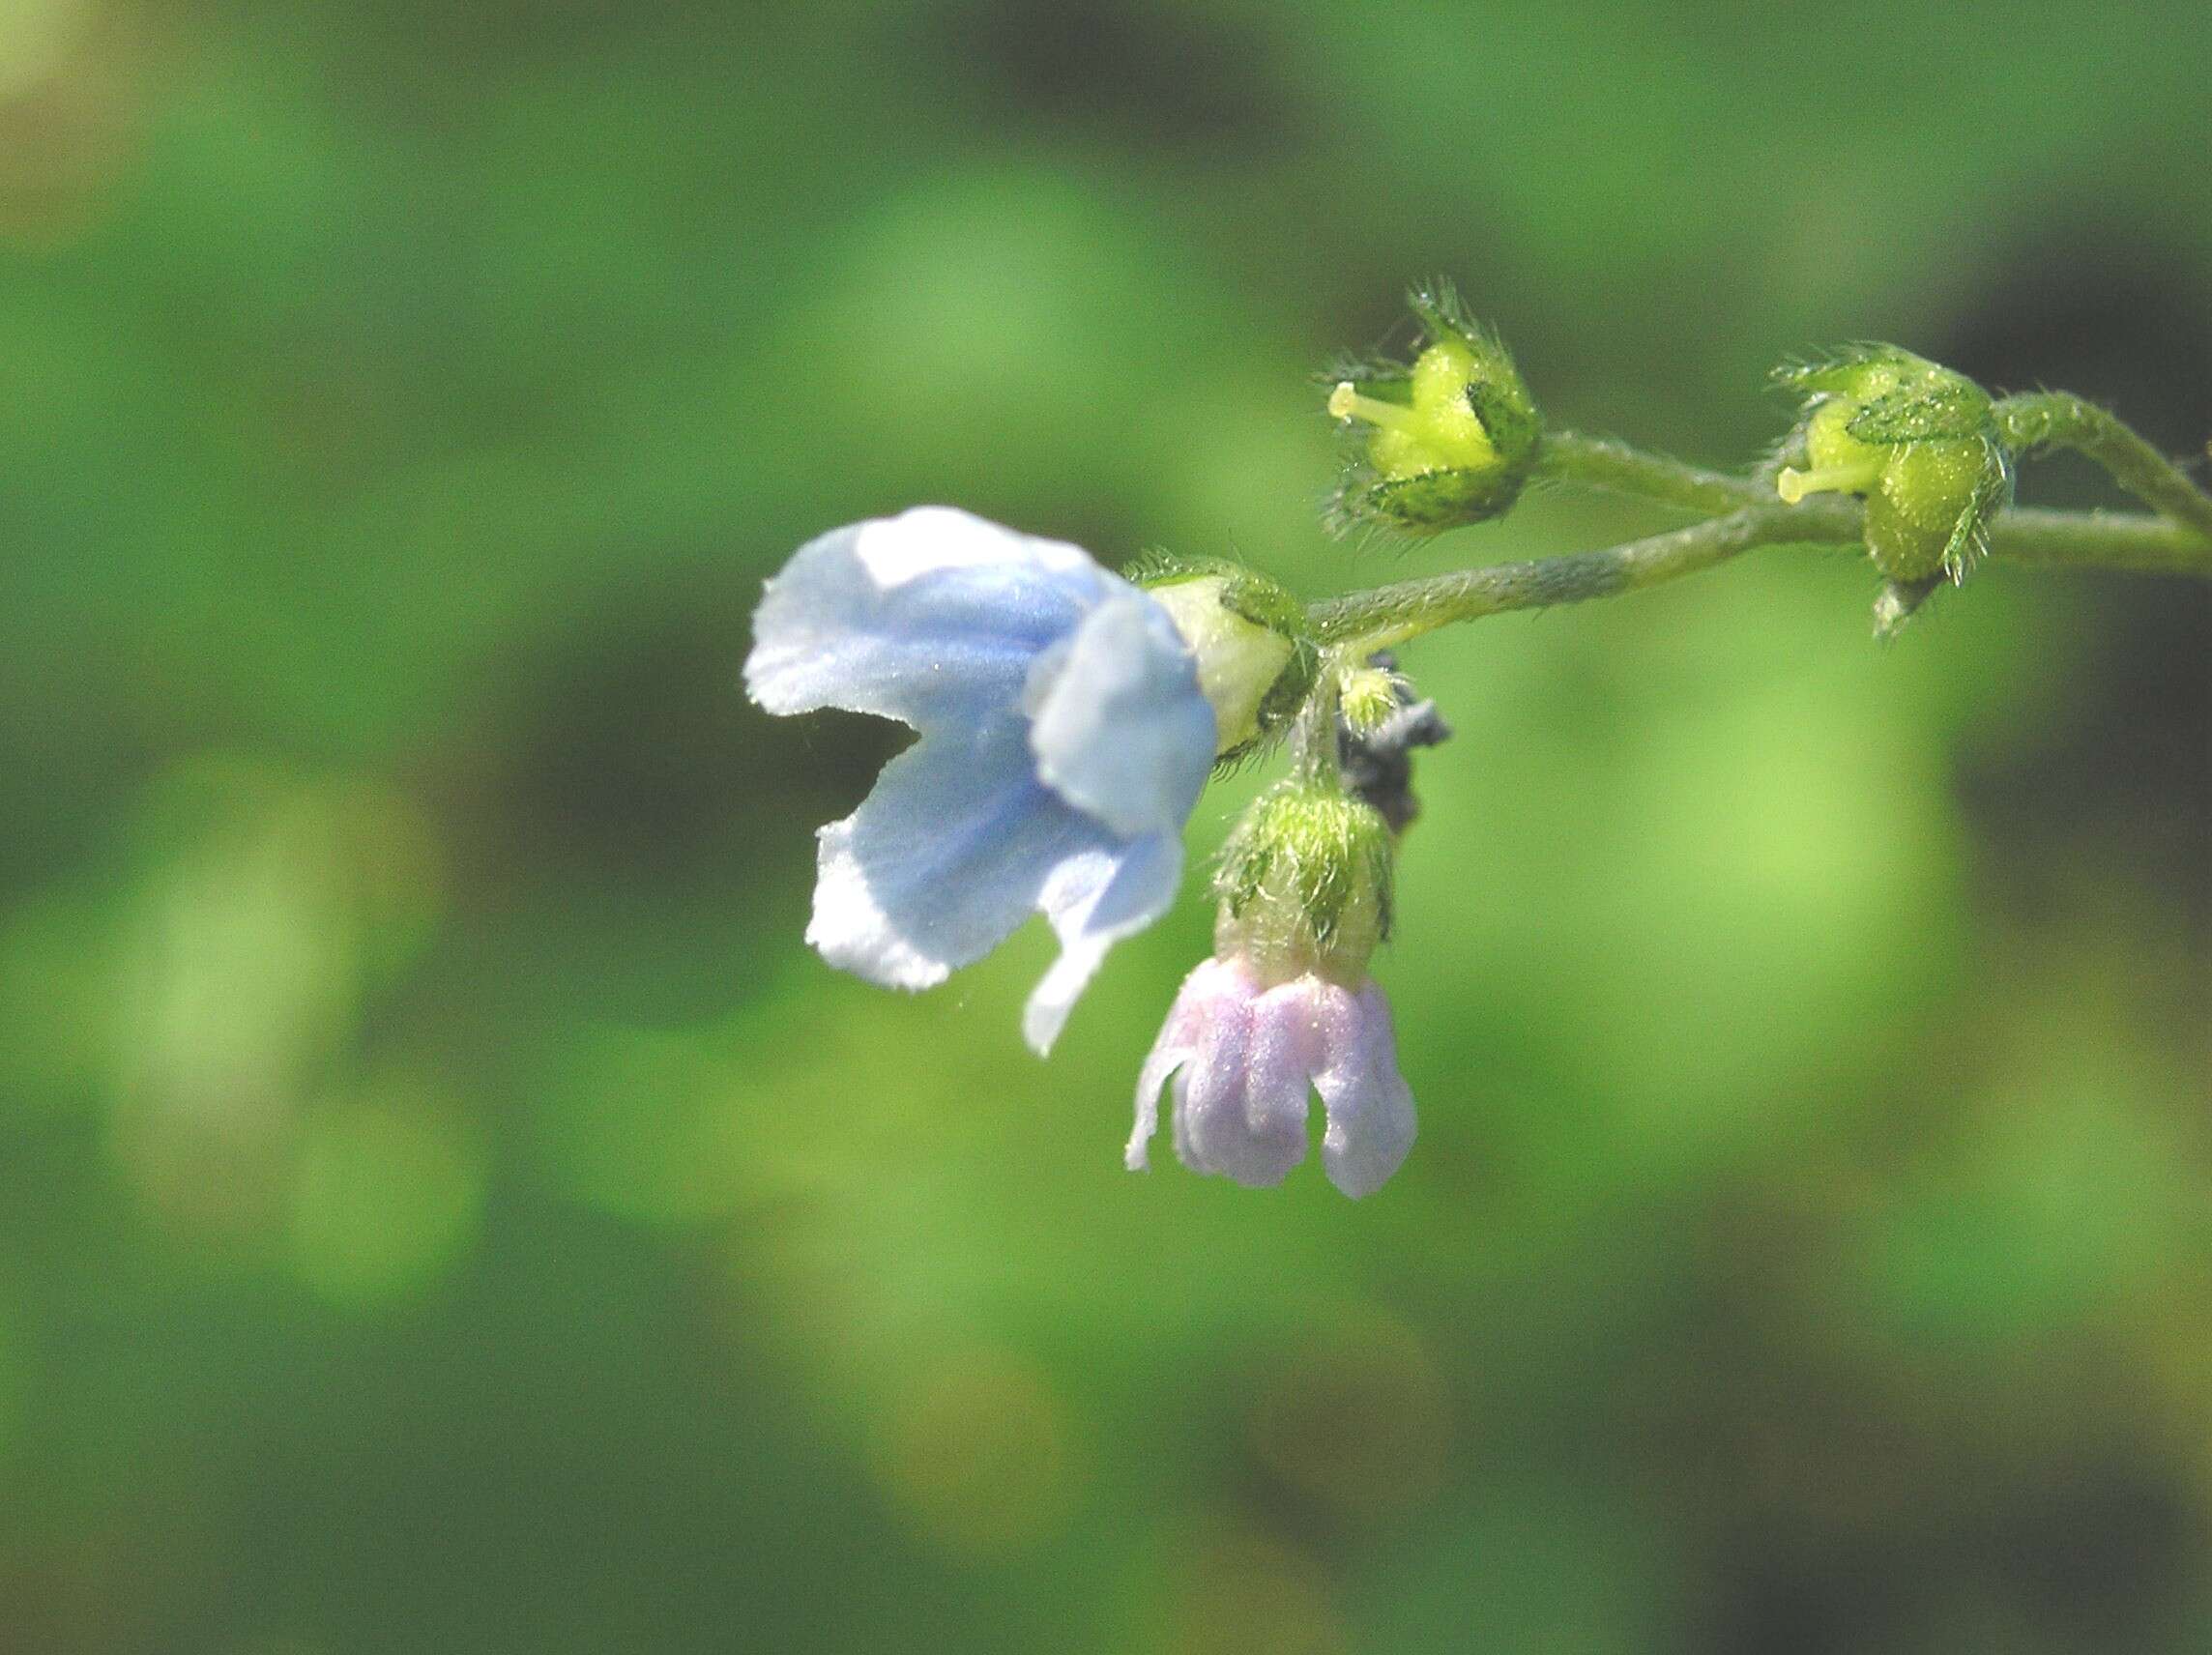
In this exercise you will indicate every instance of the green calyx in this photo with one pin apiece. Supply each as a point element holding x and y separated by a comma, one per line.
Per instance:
<point>1255,650</point>
<point>1918,441</point>
<point>1450,437</point>
<point>1305,886</point>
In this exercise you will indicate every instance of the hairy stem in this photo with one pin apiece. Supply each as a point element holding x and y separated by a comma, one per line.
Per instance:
<point>1391,615</point>
<point>1601,462</point>
<point>1314,756</point>
<point>2059,420</point>
<point>1367,620</point>
<point>2111,540</point>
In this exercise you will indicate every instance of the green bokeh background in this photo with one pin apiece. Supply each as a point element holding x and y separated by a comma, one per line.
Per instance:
<point>444,1207</point>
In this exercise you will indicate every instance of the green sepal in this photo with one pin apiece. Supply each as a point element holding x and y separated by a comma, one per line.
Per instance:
<point>1933,414</point>
<point>1846,369</point>
<point>1304,881</point>
<point>1428,503</point>
<point>1279,707</point>
<point>1969,542</point>
<point>1930,513</point>
<point>1499,395</point>
<point>1898,396</point>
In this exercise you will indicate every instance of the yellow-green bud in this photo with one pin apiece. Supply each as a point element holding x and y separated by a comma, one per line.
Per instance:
<point>1449,439</point>
<point>1369,698</point>
<point>1255,651</point>
<point>1919,441</point>
<point>1913,517</point>
<point>1305,886</point>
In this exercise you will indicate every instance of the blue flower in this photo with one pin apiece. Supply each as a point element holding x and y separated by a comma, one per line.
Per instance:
<point>1063,740</point>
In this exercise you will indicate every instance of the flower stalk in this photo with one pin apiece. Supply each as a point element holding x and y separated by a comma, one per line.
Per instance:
<point>2059,420</point>
<point>1388,616</point>
<point>1619,468</point>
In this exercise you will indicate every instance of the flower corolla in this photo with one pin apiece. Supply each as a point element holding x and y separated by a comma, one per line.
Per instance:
<point>1065,737</point>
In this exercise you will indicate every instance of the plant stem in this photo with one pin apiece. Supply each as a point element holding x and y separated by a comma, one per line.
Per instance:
<point>2057,419</point>
<point>1601,462</point>
<point>1314,757</point>
<point>1367,620</point>
<point>2121,542</point>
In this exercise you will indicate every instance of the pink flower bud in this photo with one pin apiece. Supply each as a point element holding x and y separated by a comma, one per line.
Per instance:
<point>1242,1056</point>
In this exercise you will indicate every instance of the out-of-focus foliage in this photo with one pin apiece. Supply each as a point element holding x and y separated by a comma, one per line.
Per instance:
<point>442,1207</point>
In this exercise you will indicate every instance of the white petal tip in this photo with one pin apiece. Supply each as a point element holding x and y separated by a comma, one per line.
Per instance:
<point>1355,1184</point>
<point>1386,1139</point>
<point>1046,1013</point>
<point>1041,1025</point>
<point>874,953</point>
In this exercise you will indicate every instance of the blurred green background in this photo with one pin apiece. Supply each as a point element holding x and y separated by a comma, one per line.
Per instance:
<point>444,1207</point>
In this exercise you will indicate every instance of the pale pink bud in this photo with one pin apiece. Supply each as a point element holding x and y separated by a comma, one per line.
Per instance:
<point>1242,1056</point>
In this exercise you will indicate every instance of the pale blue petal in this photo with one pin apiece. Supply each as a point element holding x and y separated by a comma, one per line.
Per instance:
<point>934,617</point>
<point>969,631</point>
<point>1093,900</point>
<point>949,853</point>
<point>1119,723</point>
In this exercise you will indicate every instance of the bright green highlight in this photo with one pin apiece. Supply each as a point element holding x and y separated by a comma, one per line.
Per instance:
<point>1435,431</point>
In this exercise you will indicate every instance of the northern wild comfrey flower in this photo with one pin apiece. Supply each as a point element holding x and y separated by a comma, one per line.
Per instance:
<point>1068,717</point>
<point>1067,720</point>
<point>1286,1004</point>
<point>1451,436</point>
<point>1921,444</point>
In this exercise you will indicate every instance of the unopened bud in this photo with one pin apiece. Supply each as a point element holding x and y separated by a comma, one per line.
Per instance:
<point>1255,651</point>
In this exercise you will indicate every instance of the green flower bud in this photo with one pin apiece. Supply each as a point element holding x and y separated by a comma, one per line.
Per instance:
<point>1305,886</point>
<point>1370,697</point>
<point>1255,655</point>
<point>1451,437</point>
<point>1919,441</point>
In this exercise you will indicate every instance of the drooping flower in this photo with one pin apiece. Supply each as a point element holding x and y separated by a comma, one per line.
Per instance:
<point>1065,736</point>
<point>1242,1054</point>
<point>1286,1004</point>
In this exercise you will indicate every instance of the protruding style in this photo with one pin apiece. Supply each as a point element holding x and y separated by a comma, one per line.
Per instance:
<point>1449,438</point>
<point>1921,445</point>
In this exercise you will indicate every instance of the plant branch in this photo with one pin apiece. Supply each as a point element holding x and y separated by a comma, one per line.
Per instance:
<point>1314,756</point>
<point>2060,420</point>
<point>2121,542</point>
<point>1367,620</point>
<point>1602,462</point>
